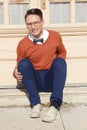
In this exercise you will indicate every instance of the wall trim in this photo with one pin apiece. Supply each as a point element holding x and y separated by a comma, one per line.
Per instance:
<point>65,31</point>
<point>68,58</point>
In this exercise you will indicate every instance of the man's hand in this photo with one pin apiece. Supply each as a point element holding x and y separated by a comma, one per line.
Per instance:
<point>17,74</point>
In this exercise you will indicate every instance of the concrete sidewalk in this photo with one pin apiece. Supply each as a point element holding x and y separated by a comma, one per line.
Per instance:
<point>70,117</point>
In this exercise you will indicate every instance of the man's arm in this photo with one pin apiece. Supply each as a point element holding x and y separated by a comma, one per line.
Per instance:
<point>17,74</point>
<point>61,49</point>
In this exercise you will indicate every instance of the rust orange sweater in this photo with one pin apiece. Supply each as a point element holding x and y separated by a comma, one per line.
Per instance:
<point>41,55</point>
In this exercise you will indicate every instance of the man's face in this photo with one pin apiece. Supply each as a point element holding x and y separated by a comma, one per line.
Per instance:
<point>34,24</point>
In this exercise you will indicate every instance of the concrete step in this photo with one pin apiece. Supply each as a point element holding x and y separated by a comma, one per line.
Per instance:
<point>19,97</point>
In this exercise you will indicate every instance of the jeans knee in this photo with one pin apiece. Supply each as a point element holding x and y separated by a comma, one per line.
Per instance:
<point>59,63</point>
<point>24,65</point>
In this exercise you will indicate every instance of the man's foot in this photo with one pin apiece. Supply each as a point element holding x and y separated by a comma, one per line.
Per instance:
<point>35,111</point>
<point>50,115</point>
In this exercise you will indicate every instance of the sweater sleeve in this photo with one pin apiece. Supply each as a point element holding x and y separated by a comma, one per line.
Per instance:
<point>61,48</point>
<point>20,52</point>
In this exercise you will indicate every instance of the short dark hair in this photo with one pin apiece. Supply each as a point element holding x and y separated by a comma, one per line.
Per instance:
<point>34,11</point>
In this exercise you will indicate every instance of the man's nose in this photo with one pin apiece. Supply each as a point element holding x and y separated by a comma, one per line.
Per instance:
<point>33,25</point>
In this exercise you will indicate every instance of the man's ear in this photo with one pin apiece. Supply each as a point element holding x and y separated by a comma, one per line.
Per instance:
<point>43,22</point>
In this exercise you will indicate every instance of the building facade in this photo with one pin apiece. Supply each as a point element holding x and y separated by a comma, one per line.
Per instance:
<point>69,17</point>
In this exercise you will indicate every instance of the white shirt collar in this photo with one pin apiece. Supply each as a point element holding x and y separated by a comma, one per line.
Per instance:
<point>44,35</point>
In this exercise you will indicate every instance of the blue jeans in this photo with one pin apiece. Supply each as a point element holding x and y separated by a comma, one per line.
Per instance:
<point>52,80</point>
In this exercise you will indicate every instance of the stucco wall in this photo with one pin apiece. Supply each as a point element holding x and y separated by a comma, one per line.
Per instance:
<point>76,47</point>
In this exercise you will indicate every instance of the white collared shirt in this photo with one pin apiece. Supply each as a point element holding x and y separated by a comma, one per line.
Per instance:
<point>44,35</point>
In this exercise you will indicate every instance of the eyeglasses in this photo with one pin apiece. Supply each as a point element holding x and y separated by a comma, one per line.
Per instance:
<point>36,23</point>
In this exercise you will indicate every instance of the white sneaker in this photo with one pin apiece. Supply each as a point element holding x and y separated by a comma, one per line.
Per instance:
<point>50,115</point>
<point>35,111</point>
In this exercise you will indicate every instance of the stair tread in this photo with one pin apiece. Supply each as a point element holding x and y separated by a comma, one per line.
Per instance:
<point>17,97</point>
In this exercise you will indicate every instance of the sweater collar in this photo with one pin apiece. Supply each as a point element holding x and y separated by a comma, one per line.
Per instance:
<point>44,35</point>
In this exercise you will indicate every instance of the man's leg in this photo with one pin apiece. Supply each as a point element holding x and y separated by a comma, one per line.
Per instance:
<point>59,77</point>
<point>27,70</point>
<point>59,69</point>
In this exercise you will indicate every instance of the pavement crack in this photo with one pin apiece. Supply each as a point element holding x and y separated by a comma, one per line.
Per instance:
<point>62,120</point>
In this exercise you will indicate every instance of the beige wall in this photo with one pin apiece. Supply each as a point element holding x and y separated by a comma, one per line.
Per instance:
<point>76,58</point>
<point>7,60</point>
<point>76,46</point>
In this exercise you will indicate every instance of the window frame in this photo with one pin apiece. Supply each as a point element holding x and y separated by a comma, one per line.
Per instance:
<point>70,29</point>
<point>72,14</point>
<point>6,13</point>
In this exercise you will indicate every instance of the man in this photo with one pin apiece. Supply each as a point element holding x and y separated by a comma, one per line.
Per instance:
<point>41,65</point>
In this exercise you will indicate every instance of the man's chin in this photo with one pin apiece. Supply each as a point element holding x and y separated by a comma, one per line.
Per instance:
<point>36,35</point>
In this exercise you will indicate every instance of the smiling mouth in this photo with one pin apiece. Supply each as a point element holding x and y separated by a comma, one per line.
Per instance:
<point>34,30</point>
<point>36,33</point>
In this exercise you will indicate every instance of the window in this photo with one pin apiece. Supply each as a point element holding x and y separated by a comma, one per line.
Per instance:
<point>81,11</point>
<point>68,11</point>
<point>17,11</point>
<point>12,11</point>
<point>62,12</point>
<point>56,12</point>
<point>1,13</point>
